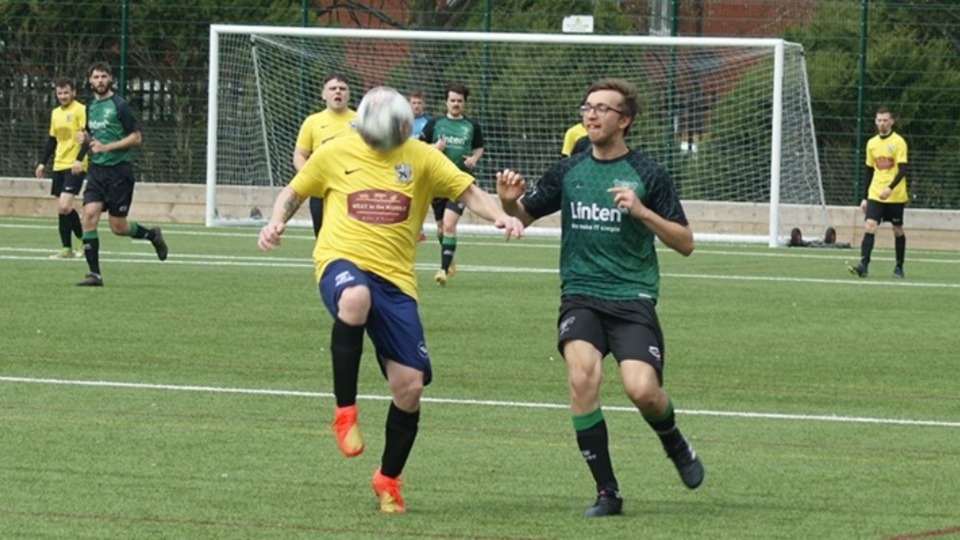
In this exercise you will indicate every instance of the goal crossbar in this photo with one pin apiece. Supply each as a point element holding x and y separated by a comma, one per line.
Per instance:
<point>775,97</point>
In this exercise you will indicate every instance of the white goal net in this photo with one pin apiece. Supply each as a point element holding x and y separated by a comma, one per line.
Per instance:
<point>729,118</point>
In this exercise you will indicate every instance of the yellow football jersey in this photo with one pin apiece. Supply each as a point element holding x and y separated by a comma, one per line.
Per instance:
<point>571,137</point>
<point>65,123</point>
<point>885,154</point>
<point>374,203</point>
<point>324,126</point>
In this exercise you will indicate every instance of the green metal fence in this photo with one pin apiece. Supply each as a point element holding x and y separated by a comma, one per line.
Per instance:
<point>904,54</point>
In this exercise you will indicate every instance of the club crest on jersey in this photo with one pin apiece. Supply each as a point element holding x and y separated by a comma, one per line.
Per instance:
<point>625,184</point>
<point>404,173</point>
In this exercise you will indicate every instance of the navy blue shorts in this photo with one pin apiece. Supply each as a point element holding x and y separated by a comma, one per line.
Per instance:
<point>393,324</point>
<point>629,329</point>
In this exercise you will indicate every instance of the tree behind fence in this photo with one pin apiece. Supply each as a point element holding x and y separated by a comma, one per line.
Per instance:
<point>913,66</point>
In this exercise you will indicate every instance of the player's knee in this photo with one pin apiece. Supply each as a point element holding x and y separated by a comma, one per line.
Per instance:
<point>354,304</point>
<point>406,391</point>
<point>646,398</point>
<point>584,379</point>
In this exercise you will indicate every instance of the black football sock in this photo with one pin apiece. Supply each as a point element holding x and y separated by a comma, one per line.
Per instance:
<point>140,232</point>
<point>401,431</point>
<point>594,446</point>
<point>665,426</point>
<point>346,348</point>
<point>74,218</point>
<point>91,251</point>
<point>63,222</point>
<point>900,248</point>
<point>448,246</point>
<point>866,248</point>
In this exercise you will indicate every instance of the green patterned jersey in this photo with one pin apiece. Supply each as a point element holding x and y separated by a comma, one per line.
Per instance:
<point>604,253</point>
<point>109,120</point>
<point>460,136</point>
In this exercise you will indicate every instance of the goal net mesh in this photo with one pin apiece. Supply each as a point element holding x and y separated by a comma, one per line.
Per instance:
<point>707,111</point>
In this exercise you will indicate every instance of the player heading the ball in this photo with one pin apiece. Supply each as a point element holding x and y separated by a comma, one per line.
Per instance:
<point>377,187</point>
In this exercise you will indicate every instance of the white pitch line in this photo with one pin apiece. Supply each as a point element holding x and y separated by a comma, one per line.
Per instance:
<point>481,402</point>
<point>304,262</point>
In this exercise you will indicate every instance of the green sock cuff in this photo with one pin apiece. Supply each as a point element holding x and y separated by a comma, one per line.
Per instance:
<point>661,417</point>
<point>134,229</point>
<point>588,420</point>
<point>449,241</point>
<point>90,235</point>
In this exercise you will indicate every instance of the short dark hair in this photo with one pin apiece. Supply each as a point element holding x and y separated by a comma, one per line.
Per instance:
<point>99,66</point>
<point>458,88</point>
<point>64,82</point>
<point>631,98</point>
<point>416,94</point>
<point>334,76</point>
<point>885,110</point>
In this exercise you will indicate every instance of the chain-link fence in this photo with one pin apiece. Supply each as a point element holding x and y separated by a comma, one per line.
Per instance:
<point>904,54</point>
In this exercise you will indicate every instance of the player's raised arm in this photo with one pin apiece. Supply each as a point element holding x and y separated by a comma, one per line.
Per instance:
<point>676,236</point>
<point>510,188</point>
<point>481,204</point>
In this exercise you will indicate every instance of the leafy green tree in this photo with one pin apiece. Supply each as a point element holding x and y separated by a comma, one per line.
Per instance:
<point>165,68</point>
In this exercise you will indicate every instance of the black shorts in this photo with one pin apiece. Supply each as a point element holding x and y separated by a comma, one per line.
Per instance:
<point>65,182</point>
<point>111,185</point>
<point>440,205</point>
<point>881,211</point>
<point>629,329</point>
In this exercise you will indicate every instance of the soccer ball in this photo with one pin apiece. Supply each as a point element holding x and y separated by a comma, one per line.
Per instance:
<point>384,118</point>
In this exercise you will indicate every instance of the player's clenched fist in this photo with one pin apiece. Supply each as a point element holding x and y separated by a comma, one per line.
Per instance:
<point>270,236</point>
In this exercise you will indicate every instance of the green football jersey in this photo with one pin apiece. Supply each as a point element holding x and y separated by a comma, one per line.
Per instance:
<point>460,137</point>
<point>109,120</point>
<point>604,253</point>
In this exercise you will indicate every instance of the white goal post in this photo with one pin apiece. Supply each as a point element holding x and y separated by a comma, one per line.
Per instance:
<point>730,118</point>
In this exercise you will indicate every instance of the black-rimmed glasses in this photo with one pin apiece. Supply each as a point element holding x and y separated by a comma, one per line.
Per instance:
<point>599,109</point>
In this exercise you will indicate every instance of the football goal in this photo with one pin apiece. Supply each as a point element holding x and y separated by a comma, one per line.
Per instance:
<point>729,118</point>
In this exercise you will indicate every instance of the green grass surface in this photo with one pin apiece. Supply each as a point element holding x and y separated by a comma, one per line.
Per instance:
<point>190,399</point>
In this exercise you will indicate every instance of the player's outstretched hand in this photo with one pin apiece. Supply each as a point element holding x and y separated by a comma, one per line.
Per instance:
<point>510,225</point>
<point>270,236</point>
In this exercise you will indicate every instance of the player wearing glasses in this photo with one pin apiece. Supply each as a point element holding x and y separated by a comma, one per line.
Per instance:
<point>613,202</point>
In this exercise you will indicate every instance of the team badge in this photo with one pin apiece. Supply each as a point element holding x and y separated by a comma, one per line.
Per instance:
<point>404,173</point>
<point>625,184</point>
